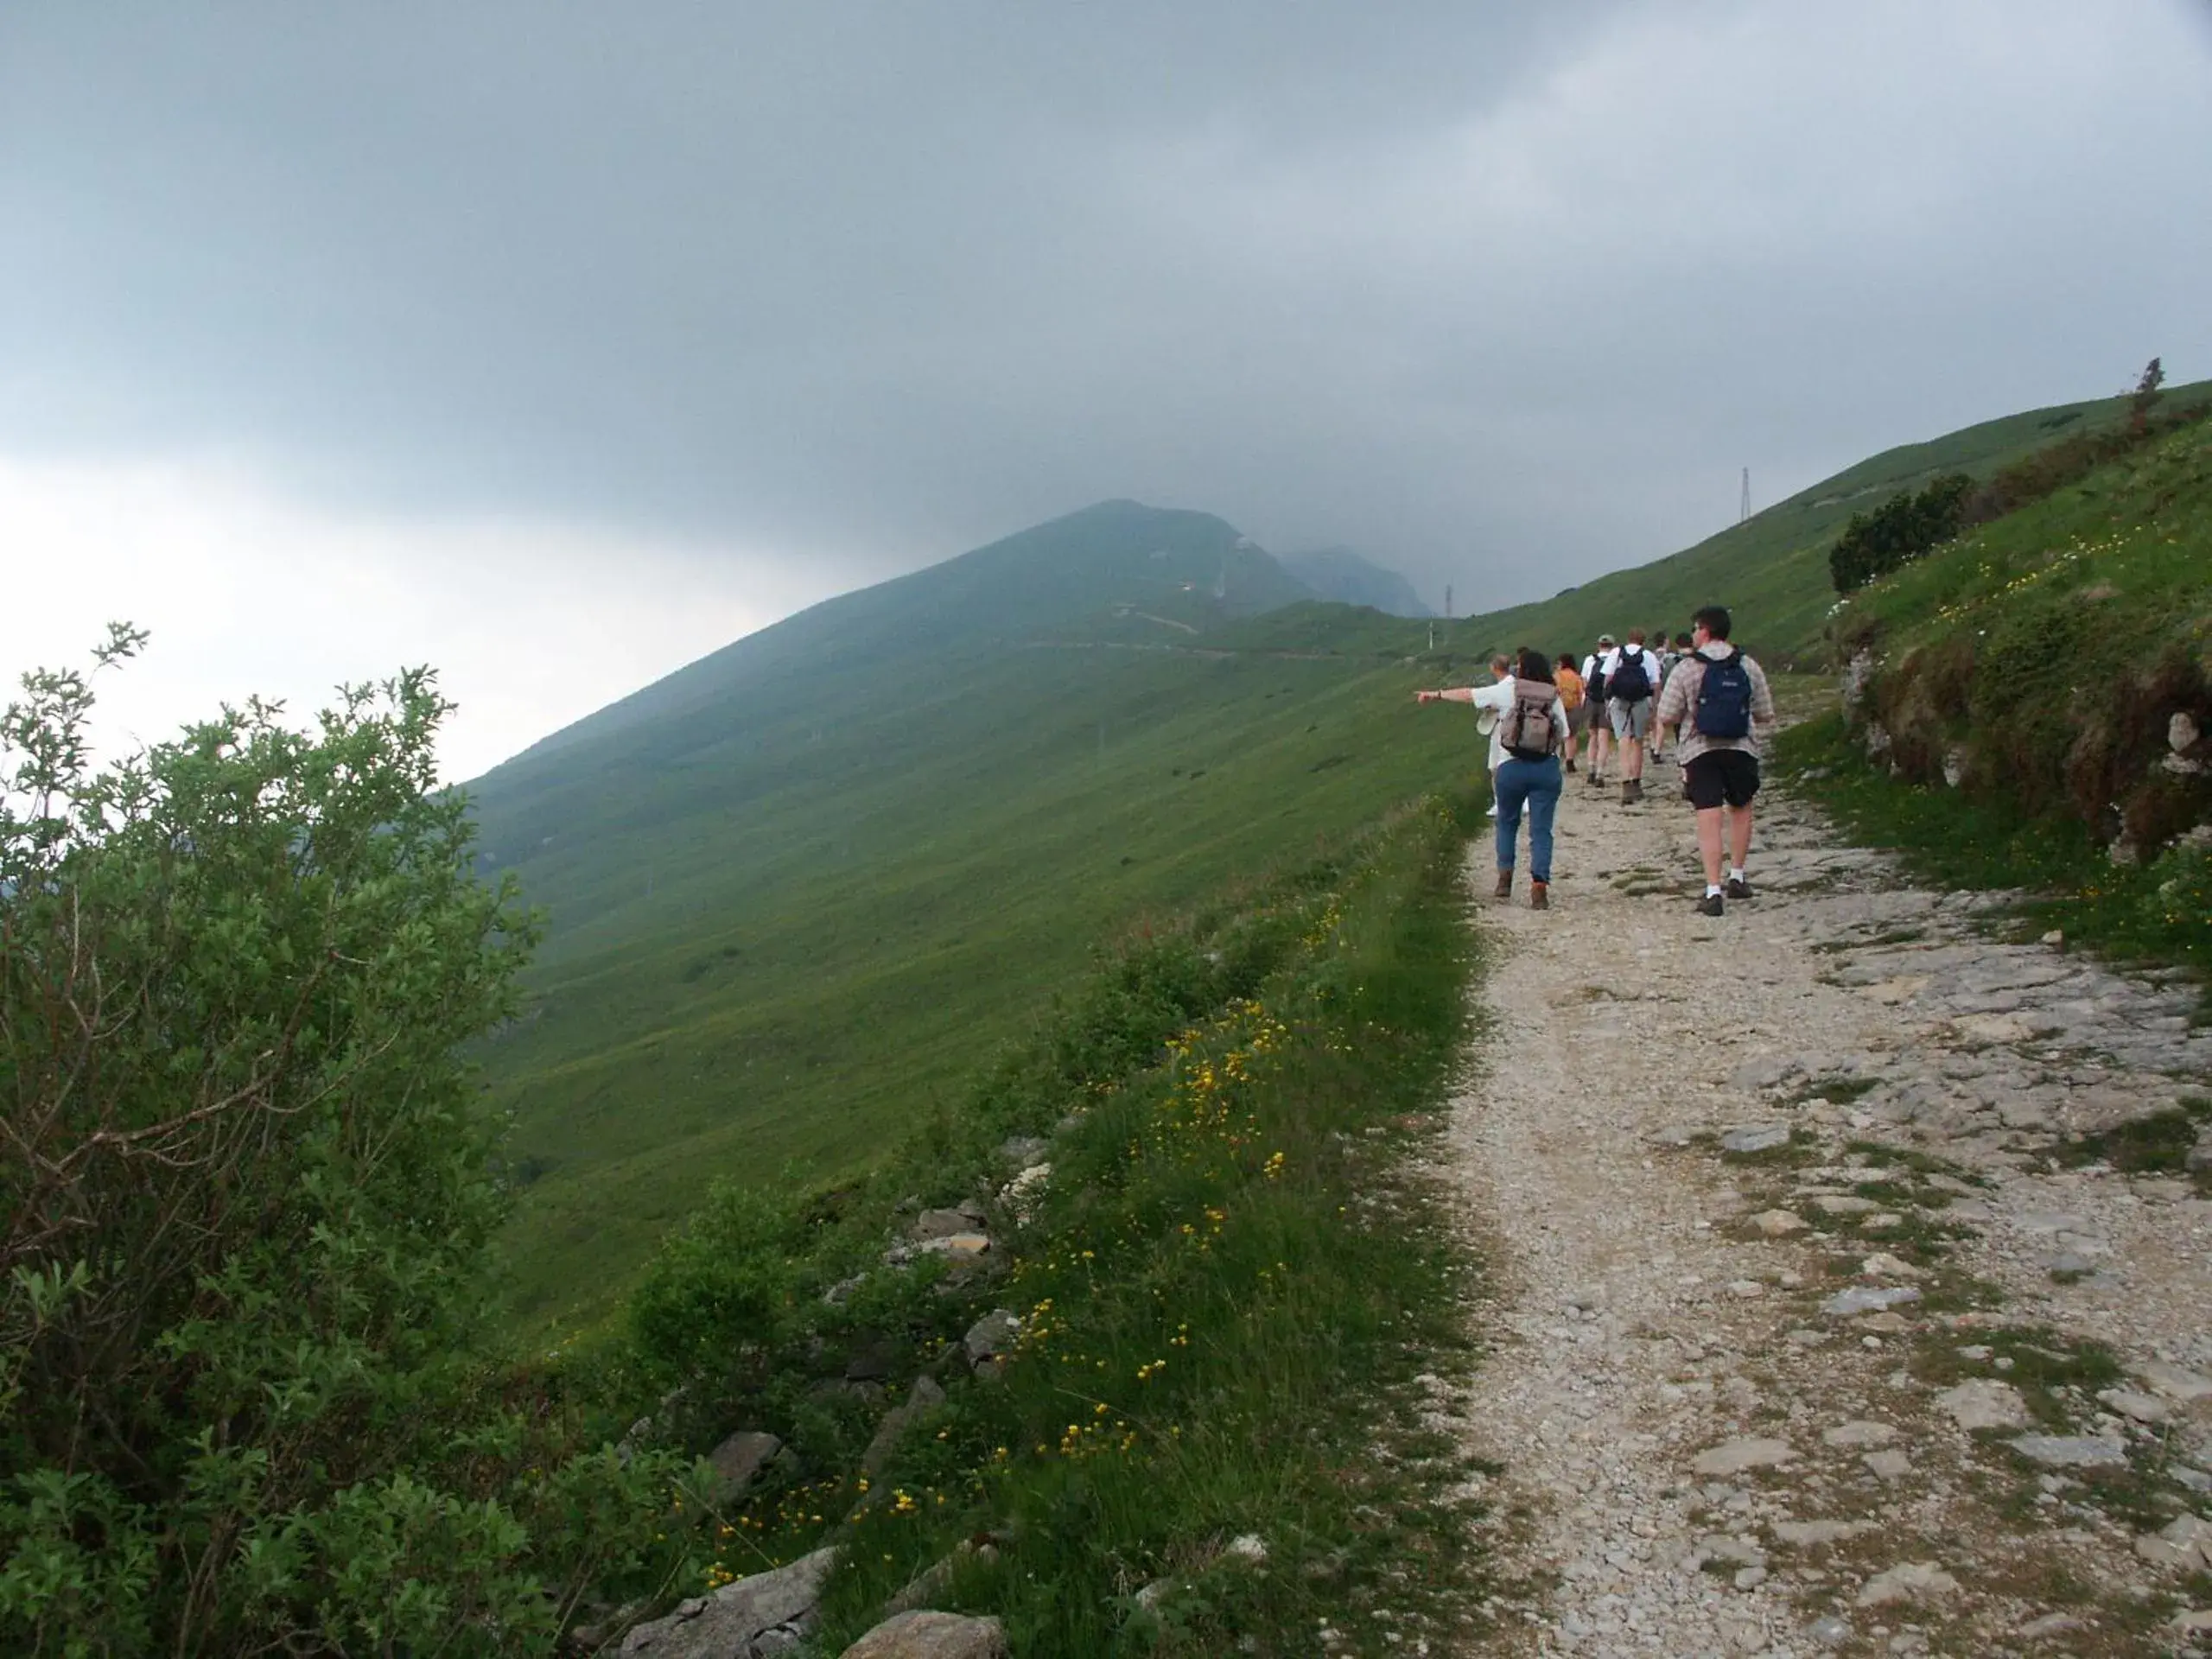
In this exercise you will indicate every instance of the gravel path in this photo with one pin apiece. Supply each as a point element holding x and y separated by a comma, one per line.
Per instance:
<point>1819,1327</point>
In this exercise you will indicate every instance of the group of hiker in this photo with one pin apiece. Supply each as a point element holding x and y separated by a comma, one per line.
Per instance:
<point>1627,697</point>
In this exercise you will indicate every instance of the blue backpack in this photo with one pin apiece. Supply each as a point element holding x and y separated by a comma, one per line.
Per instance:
<point>1724,698</point>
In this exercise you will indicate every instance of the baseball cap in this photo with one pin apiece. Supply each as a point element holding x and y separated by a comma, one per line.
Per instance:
<point>1607,639</point>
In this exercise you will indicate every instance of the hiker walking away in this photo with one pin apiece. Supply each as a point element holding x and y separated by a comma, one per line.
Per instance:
<point>1632,694</point>
<point>1593,692</point>
<point>1568,679</point>
<point>1720,708</point>
<point>1524,748</point>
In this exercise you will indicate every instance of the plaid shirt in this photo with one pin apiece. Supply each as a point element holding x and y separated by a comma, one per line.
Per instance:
<point>1678,704</point>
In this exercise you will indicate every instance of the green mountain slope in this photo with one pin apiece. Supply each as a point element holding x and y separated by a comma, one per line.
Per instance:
<point>798,892</point>
<point>1772,569</point>
<point>800,889</point>
<point>1187,568</point>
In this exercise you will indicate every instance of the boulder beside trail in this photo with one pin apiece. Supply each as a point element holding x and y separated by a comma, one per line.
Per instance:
<point>740,1459</point>
<point>991,1338</point>
<point>943,1223</point>
<point>731,1623</point>
<point>925,1635</point>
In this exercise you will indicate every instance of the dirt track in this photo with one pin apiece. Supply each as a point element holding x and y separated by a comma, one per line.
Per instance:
<point>1700,1451</point>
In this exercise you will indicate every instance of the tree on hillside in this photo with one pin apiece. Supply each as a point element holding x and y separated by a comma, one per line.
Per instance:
<point>2146,394</point>
<point>243,1198</point>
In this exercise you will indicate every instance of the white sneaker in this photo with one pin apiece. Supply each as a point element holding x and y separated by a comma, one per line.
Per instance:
<point>1493,809</point>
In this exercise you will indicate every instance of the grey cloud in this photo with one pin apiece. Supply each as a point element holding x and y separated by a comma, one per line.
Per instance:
<point>1505,295</point>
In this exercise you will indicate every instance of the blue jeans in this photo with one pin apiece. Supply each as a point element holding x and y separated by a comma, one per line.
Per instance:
<point>1534,783</point>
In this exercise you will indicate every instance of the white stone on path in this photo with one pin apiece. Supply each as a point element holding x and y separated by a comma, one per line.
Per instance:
<point>1779,1223</point>
<point>1868,1298</point>
<point>2174,1382</point>
<point>2070,1451</point>
<point>1859,1432</point>
<point>1908,1581</point>
<point>1734,1457</point>
<point>1983,1403</point>
<point>1810,1534</point>
<point>1844,1204</point>
<point>2142,1407</point>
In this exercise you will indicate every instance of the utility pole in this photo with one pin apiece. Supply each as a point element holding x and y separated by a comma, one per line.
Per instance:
<point>1743,504</point>
<point>1447,601</point>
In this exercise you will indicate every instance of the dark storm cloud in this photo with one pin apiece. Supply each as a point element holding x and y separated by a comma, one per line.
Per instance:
<point>1458,284</point>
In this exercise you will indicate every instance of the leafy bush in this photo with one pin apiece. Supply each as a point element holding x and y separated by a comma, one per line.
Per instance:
<point>1901,530</point>
<point>245,1204</point>
<point>718,1296</point>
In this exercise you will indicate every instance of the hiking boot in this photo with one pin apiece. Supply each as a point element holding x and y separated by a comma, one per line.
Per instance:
<point>1570,766</point>
<point>1739,888</point>
<point>1628,793</point>
<point>1505,884</point>
<point>1710,905</point>
<point>1540,895</point>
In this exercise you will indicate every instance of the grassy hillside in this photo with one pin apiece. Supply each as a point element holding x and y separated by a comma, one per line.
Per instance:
<point>2014,730</point>
<point>788,921</point>
<point>1772,569</point>
<point>800,889</point>
<point>1181,570</point>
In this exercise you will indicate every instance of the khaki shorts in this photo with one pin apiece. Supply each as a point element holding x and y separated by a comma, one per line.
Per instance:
<point>1631,720</point>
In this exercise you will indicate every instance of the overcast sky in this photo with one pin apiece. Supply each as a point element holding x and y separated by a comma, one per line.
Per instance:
<point>559,344</point>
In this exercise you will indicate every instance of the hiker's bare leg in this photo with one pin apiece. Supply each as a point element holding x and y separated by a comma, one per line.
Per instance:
<point>1631,759</point>
<point>1739,839</point>
<point>1708,840</point>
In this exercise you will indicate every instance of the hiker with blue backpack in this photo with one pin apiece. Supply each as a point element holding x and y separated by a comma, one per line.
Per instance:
<point>1719,705</point>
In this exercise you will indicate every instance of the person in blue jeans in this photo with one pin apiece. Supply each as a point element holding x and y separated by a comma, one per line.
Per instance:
<point>1524,749</point>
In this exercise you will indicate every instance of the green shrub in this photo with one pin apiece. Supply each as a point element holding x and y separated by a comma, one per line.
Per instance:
<point>1903,529</point>
<point>718,1296</point>
<point>245,1204</point>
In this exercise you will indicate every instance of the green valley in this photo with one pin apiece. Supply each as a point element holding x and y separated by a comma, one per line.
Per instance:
<point>801,891</point>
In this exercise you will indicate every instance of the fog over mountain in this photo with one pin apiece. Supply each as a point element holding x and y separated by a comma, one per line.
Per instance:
<point>317,324</point>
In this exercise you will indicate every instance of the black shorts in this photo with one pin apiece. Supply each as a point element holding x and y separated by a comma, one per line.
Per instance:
<point>1718,775</point>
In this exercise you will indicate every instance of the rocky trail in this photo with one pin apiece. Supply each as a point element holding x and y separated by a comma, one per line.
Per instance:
<point>1851,1291</point>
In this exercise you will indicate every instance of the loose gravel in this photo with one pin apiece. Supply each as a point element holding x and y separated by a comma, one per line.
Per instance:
<point>1823,1323</point>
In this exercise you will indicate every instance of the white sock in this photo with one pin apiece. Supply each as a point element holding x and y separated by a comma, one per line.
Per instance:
<point>1713,889</point>
<point>1736,874</point>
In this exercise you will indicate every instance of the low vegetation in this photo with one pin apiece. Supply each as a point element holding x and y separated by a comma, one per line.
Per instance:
<point>247,1409</point>
<point>2031,701</point>
<point>245,1208</point>
<point>1223,1292</point>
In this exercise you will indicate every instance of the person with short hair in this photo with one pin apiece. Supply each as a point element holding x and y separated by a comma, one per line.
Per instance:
<point>1593,693</point>
<point>1631,695</point>
<point>1721,710</point>
<point>1568,679</point>
<point>1528,730</point>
